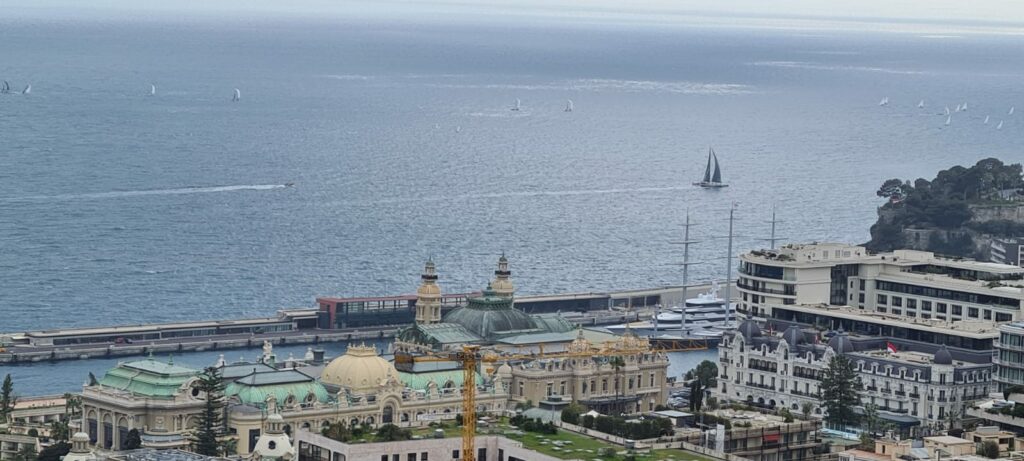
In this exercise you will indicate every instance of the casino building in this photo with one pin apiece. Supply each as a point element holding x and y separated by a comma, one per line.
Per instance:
<point>162,400</point>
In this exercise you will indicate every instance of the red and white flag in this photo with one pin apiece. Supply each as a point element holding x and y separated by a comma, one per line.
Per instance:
<point>890,347</point>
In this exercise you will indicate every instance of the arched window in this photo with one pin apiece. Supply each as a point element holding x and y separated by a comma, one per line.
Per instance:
<point>388,415</point>
<point>272,445</point>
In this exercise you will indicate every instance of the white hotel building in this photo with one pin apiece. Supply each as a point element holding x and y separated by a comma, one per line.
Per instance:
<point>914,299</point>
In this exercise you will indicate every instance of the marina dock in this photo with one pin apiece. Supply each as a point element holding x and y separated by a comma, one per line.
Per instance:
<point>335,320</point>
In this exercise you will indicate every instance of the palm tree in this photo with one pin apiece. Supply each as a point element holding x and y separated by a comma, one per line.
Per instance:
<point>617,362</point>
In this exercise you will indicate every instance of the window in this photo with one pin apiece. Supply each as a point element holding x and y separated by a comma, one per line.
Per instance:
<point>958,309</point>
<point>396,457</point>
<point>1003,317</point>
<point>860,298</point>
<point>882,299</point>
<point>926,306</point>
<point>383,457</point>
<point>897,301</point>
<point>911,303</point>
<point>972,312</point>
<point>423,456</point>
<point>911,314</point>
<point>987,314</point>
<point>862,283</point>
<point>455,454</point>
<point>411,457</point>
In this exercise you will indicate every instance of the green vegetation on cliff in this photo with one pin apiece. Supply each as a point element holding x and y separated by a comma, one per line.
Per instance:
<point>943,204</point>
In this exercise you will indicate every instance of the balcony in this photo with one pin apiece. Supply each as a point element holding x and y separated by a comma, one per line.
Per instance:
<point>767,368</point>
<point>761,386</point>
<point>746,286</point>
<point>1009,347</point>
<point>900,393</point>
<point>915,395</point>
<point>871,388</point>
<point>804,394</point>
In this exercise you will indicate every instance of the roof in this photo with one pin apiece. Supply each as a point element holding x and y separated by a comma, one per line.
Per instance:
<point>948,440</point>
<point>148,378</point>
<point>440,333</point>
<point>257,387</point>
<point>237,370</point>
<point>491,316</point>
<point>533,338</point>
<point>552,322</point>
<point>420,381</point>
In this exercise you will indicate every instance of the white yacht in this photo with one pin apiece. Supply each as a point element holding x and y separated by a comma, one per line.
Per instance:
<point>706,316</point>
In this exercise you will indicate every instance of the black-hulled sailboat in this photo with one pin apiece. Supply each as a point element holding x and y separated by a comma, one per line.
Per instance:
<point>712,174</point>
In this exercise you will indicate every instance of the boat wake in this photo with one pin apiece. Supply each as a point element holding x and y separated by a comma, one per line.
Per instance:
<point>139,193</point>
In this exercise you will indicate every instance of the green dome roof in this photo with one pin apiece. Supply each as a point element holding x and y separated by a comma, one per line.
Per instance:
<point>491,316</point>
<point>149,378</point>
<point>255,388</point>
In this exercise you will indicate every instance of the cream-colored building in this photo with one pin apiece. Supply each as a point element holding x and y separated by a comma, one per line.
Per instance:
<point>904,283</point>
<point>908,387</point>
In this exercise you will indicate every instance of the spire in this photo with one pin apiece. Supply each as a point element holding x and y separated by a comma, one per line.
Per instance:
<point>428,295</point>
<point>502,283</point>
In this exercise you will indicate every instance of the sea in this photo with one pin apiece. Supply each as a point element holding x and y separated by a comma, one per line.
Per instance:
<point>134,190</point>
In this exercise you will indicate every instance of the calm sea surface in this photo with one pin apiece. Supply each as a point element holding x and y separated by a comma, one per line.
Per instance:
<point>117,206</point>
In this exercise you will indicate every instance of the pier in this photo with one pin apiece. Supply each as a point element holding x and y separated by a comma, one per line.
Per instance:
<point>334,320</point>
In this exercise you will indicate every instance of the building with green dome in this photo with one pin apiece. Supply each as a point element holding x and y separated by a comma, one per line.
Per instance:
<point>488,319</point>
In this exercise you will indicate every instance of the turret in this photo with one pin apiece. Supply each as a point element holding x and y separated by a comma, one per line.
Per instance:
<point>428,296</point>
<point>502,284</point>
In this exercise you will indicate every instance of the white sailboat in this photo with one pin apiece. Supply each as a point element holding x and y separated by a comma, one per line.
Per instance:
<point>568,105</point>
<point>458,129</point>
<point>712,175</point>
<point>884,101</point>
<point>152,90</point>
<point>1000,125</point>
<point>947,110</point>
<point>964,108</point>
<point>1011,111</point>
<point>6,88</point>
<point>986,119</point>
<point>237,96</point>
<point>518,105</point>
<point>948,120</point>
<point>27,90</point>
<point>920,105</point>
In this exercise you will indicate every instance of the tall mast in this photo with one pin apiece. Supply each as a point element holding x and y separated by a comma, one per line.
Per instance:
<point>728,270</point>
<point>686,242</point>
<point>771,240</point>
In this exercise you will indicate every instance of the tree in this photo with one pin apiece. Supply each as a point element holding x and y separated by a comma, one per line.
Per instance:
<point>707,373</point>
<point>989,449</point>
<point>893,188</point>
<point>7,398</point>
<point>696,395</point>
<point>806,408</point>
<point>871,418</point>
<point>28,453</point>
<point>867,442</point>
<point>133,441</point>
<point>210,424</point>
<point>337,431</point>
<point>571,413</point>
<point>392,433</point>
<point>839,392</point>
<point>618,363</point>
<point>54,452</point>
<point>59,430</point>
<point>72,405</point>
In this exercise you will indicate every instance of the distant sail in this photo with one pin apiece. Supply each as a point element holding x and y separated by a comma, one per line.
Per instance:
<point>237,96</point>
<point>717,176</point>
<point>947,110</point>
<point>27,90</point>
<point>568,105</point>
<point>964,108</point>
<point>152,90</point>
<point>518,105</point>
<point>958,108</point>
<point>1000,125</point>
<point>6,88</point>
<point>1011,111</point>
<point>948,120</point>
<point>707,170</point>
<point>884,101</point>
<point>986,119</point>
<point>920,105</point>
<point>458,129</point>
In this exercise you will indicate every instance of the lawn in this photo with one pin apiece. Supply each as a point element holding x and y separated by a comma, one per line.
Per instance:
<point>579,446</point>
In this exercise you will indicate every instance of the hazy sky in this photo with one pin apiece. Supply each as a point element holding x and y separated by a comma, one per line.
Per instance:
<point>956,11</point>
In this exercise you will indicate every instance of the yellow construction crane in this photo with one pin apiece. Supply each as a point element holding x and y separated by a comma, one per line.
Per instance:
<point>471,356</point>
